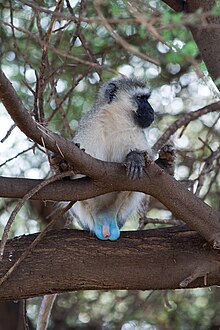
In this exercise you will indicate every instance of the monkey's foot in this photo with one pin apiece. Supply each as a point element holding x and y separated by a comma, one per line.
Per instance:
<point>108,230</point>
<point>166,159</point>
<point>135,163</point>
<point>58,163</point>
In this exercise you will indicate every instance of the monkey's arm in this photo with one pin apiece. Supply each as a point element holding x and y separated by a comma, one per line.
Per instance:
<point>134,162</point>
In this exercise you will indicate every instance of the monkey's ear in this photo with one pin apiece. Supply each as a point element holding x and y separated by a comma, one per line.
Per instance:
<point>110,92</point>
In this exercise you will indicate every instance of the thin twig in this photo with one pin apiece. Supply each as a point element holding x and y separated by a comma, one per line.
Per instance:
<point>8,133</point>
<point>206,169</point>
<point>75,82</point>
<point>60,52</point>
<point>44,62</point>
<point>184,120</point>
<point>19,154</point>
<point>122,41</point>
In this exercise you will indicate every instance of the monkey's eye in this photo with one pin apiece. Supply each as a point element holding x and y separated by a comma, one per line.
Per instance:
<point>142,98</point>
<point>112,96</point>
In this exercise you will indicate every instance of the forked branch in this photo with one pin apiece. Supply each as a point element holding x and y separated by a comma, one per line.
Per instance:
<point>186,206</point>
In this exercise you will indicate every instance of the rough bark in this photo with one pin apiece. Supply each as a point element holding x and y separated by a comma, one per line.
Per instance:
<point>206,36</point>
<point>70,260</point>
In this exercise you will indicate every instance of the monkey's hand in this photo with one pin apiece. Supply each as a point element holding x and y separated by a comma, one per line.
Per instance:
<point>166,159</point>
<point>135,163</point>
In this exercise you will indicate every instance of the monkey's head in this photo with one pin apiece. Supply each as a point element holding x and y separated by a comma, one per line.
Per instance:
<point>130,97</point>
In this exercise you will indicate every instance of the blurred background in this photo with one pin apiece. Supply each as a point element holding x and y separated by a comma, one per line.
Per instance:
<point>56,60</point>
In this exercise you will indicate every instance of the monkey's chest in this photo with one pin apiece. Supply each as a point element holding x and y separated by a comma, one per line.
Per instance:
<point>111,142</point>
<point>116,146</point>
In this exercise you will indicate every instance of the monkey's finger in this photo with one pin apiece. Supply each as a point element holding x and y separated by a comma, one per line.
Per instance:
<point>133,173</point>
<point>138,172</point>
<point>129,170</point>
<point>135,163</point>
<point>134,170</point>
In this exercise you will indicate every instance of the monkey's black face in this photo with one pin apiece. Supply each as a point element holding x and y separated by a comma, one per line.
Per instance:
<point>117,90</point>
<point>144,115</point>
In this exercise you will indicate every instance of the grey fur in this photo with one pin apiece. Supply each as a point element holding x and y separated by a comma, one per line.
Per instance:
<point>108,132</point>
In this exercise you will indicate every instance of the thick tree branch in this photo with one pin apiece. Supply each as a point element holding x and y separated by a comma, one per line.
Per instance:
<point>111,177</point>
<point>184,205</point>
<point>70,260</point>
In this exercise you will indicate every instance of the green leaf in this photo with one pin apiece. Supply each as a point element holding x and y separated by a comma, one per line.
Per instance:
<point>215,11</point>
<point>174,57</point>
<point>217,81</point>
<point>115,9</point>
<point>176,18</point>
<point>190,49</point>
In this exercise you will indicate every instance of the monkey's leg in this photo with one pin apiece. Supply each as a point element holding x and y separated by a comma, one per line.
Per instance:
<point>166,159</point>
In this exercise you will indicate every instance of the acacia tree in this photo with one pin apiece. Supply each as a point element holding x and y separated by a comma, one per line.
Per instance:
<point>64,49</point>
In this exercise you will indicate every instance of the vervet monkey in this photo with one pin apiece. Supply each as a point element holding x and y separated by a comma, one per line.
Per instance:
<point>114,130</point>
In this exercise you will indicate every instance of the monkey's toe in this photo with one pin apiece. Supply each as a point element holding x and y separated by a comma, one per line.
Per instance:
<point>167,152</point>
<point>58,163</point>
<point>166,158</point>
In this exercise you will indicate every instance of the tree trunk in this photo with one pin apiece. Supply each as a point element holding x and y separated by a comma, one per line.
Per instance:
<point>12,316</point>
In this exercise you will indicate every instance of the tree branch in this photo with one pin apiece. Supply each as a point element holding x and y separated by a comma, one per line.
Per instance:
<point>184,205</point>
<point>111,176</point>
<point>174,4</point>
<point>146,260</point>
<point>184,120</point>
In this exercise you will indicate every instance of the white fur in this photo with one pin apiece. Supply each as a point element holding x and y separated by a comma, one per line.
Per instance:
<point>110,134</point>
<point>141,91</point>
